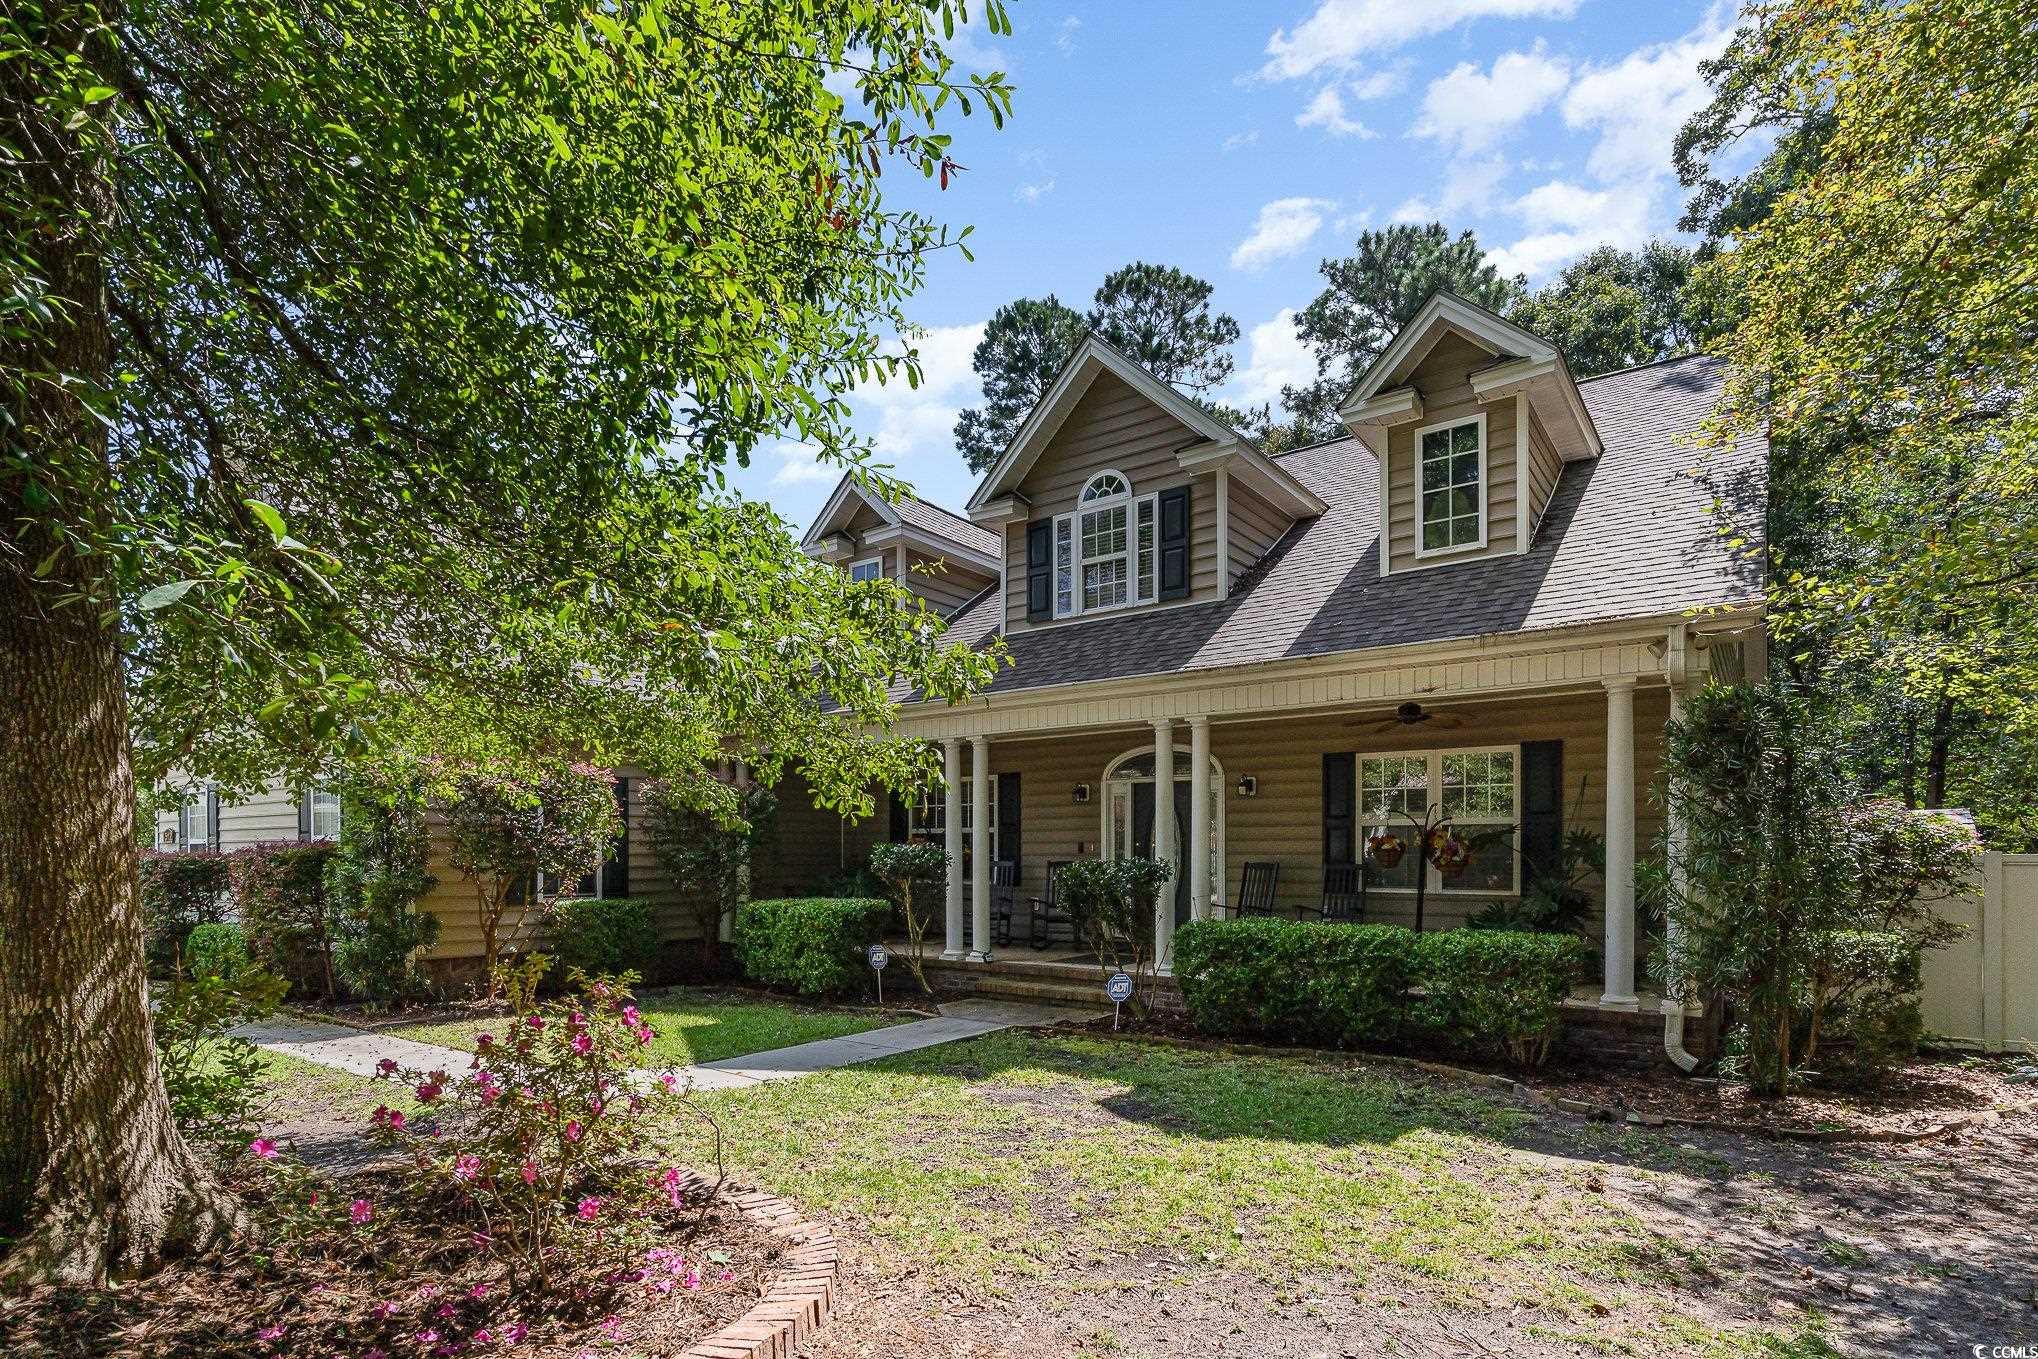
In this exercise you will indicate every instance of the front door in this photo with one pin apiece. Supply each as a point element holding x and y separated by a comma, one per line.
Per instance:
<point>1142,837</point>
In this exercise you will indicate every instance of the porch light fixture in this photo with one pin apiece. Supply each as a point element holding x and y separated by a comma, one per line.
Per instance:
<point>1248,786</point>
<point>1082,792</point>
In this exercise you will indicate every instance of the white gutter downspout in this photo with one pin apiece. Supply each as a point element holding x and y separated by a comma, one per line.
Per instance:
<point>1673,991</point>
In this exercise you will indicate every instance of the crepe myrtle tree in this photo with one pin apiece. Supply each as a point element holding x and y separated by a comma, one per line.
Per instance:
<point>899,867</point>
<point>706,854</point>
<point>371,373</point>
<point>521,842</point>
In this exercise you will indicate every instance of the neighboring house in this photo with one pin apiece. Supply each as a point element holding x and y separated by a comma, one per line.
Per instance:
<point>1298,656</point>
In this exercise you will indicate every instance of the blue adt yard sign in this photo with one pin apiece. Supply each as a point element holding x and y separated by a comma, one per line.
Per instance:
<point>878,955</point>
<point>1118,990</point>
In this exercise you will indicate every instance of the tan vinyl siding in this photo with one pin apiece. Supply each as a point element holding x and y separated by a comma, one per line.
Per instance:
<point>1113,427</point>
<point>943,583</point>
<point>812,846</point>
<point>1443,378</point>
<point>1255,527</point>
<point>1545,467</point>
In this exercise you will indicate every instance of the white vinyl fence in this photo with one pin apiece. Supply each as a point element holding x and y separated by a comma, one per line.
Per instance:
<point>1981,991</point>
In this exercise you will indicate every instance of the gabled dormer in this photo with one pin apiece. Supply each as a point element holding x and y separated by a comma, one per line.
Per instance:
<point>939,556</point>
<point>1119,493</point>
<point>1472,419</point>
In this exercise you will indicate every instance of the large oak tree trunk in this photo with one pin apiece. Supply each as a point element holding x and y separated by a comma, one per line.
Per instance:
<point>94,1178</point>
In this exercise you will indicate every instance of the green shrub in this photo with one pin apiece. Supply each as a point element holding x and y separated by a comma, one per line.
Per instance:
<point>814,945</point>
<point>899,867</point>
<point>1498,987</point>
<point>1295,981</point>
<point>179,893</point>
<point>280,889</point>
<point>374,883</point>
<point>605,937</point>
<point>211,1078</point>
<point>216,950</point>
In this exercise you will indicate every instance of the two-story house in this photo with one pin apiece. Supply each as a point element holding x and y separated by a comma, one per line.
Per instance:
<point>1483,602</point>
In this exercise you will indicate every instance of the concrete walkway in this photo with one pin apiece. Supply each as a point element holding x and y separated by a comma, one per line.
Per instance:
<point>358,1050</point>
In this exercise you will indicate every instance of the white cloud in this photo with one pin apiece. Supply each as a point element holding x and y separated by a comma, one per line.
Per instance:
<point>1236,140</point>
<point>1275,358</point>
<point>1470,111</point>
<point>1327,111</point>
<point>1033,193</point>
<point>801,465</point>
<point>1065,35</point>
<point>1416,209</point>
<point>1565,220</point>
<point>1637,104</point>
<point>1340,32</point>
<point>904,420</point>
<point>1284,226</point>
<point>1471,185</point>
<point>1380,83</point>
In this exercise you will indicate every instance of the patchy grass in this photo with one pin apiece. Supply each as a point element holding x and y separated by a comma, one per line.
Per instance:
<point>695,1026</point>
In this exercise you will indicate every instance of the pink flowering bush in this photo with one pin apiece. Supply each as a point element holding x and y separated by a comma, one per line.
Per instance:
<point>543,1140</point>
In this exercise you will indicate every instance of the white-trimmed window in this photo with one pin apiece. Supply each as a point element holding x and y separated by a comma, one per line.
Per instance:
<point>1450,470</point>
<point>1480,789</point>
<point>322,813</point>
<point>195,829</point>
<point>927,816</point>
<point>867,569</point>
<point>1105,549</point>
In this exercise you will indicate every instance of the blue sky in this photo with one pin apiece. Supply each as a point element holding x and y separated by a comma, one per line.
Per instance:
<point>1244,142</point>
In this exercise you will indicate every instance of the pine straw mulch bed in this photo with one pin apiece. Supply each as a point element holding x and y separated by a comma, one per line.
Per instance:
<point>1932,1096</point>
<point>415,1286</point>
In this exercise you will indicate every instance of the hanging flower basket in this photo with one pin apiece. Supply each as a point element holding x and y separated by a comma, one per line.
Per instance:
<point>1450,852</point>
<point>1386,848</point>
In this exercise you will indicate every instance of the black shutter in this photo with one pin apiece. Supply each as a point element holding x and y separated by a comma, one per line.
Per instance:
<point>304,813</point>
<point>1174,542</point>
<point>1039,570</point>
<point>615,870</point>
<point>212,816</point>
<point>1339,845</point>
<point>897,830</point>
<point>1008,817</point>
<point>1542,808</point>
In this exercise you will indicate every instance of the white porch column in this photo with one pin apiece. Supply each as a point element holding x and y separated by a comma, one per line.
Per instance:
<point>1164,843</point>
<point>980,849</point>
<point>1620,844</point>
<point>1199,818</point>
<point>951,775</point>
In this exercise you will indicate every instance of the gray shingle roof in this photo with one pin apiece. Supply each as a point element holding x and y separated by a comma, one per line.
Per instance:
<point>1634,533</point>
<point>931,518</point>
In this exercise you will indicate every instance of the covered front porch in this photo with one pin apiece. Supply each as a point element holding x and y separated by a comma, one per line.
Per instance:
<point>1272,805</point>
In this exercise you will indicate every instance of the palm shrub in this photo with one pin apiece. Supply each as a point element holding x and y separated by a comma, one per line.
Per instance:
<point>521,841</point>
<point>900,867</point>
<point>376,881</point>
<point>707,850</point>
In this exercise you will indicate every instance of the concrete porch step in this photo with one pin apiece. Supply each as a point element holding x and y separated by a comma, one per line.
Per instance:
<point>989,986</point>
<point>1021,962</point>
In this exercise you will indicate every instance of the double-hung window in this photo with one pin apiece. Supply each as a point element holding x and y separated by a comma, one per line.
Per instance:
<point>321,817</point>
<point>1104,550</point>
<point>1480,791</point>
<point>1451,474</point>
<point>927,816</point>
<point>869,569</point>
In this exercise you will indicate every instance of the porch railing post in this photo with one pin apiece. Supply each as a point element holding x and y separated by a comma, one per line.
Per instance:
<point>951,775</point>
<point>980,849</point>
<point>1620,843</point>
<point>1164,843</point>
<point>1199,818</point>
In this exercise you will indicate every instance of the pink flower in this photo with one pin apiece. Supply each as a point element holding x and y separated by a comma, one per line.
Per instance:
<point>377,1353</point>
<point>582,1043</point>
<point>478,1292</point>
<point>484,1041</point>
<point>466,1167</point>
<point>669,1081</point>
<point>589,1208</point>
<point>630,1015</point>
<point>445,1312</point>
<point>482,1336</point>
<point>644,1036</point>
<point>490,1094</point>
<point>573,1130</point>
<point>360,1210</point>
<point>383,1310</point>
<point>429,1092</point>
<point>726,1275</point>
<point>264,1148</point>
<point>536,1021</point>
<point>386,1067</point>
<point>611,1327</point>
<point>426,1337</point>
<point>530,1172</point>
<point>269,1333</point>
<point>515,1333</point>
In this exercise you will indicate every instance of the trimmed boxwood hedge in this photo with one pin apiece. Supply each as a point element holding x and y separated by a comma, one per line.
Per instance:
<point>812,945</point>
<point>1325,985</point>
<point>605,937</point>
<point>218,950</point>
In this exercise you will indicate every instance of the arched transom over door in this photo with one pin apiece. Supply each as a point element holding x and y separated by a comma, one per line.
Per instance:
<point>1129,803</point>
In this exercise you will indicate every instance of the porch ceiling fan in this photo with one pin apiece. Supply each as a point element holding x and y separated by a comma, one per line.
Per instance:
<point>1412,714</point>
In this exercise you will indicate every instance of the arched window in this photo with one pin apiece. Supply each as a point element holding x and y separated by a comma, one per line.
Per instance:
<point>1104,552</point>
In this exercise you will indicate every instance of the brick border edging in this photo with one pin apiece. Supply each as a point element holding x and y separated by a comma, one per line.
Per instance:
<point>802,1295</point>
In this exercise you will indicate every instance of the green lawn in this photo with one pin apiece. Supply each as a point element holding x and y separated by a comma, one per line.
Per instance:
<point>696,1026</point>
<point>1018,1160</point>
